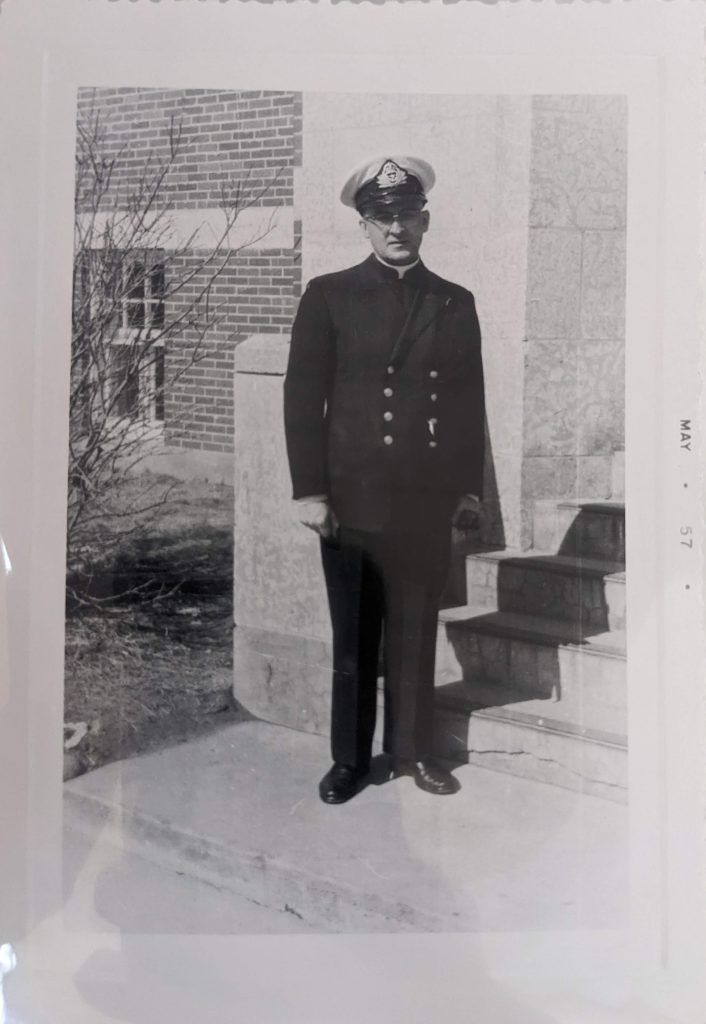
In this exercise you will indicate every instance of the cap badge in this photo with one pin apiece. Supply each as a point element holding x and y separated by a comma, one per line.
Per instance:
<point>391,174</point>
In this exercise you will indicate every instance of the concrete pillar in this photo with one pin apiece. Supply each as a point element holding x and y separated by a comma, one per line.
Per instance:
<point>282,663</point>
<point>574,369</point>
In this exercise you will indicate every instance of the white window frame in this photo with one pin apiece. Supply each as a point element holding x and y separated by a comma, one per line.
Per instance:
<point>146,412</point>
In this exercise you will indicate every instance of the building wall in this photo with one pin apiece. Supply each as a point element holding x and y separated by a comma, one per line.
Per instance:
<point>574,366</point>
<point>226,136</point>
<point>228,139</point>
<point>255,294</point>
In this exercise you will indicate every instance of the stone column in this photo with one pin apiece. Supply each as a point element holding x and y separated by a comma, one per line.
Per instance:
<point>574,366</point>
<point>282,660</point>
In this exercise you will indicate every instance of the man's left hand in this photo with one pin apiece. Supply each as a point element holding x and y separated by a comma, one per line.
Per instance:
<point>467,510</point>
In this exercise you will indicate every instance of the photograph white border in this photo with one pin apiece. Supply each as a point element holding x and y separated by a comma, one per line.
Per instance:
<point>654,54</point>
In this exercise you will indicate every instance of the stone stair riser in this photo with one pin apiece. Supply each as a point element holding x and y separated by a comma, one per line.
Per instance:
<point>547,756</point>
<point>577,711</point>
<point>538,666</point>
<point>571,531</point>
<point>597,602</point>
<point>586,689</point>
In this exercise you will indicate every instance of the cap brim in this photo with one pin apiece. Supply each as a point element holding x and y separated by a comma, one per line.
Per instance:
<point>390,203</point>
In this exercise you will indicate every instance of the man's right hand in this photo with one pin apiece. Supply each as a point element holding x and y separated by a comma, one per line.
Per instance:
<point>318,516</point>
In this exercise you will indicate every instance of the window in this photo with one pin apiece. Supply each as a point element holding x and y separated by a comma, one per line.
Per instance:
<point>125,307</point>
<point>144,295</point>
<point>125,381</point>
<point>159,383</point>
<point>138,360</point>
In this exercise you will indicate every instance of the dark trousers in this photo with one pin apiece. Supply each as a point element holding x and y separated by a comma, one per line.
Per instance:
<point>384,584</point>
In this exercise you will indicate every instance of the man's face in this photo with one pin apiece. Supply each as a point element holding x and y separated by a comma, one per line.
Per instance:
<point>396,236</point>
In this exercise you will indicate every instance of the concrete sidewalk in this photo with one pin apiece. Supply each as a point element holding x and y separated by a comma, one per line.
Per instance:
<point>238,809</point>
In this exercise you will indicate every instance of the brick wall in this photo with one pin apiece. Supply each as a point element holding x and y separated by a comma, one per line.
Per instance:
<point>227,139</point>
<point>254,295</point>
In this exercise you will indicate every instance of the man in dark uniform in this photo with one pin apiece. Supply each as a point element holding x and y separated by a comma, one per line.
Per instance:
<point>384,417</point>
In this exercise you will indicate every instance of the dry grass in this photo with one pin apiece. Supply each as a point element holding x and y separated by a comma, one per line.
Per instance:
<point>140,667</point>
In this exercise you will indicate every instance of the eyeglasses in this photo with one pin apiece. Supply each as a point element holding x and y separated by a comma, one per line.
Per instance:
<point>406,218</point>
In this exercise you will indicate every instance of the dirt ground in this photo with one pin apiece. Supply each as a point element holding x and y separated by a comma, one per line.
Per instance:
<point>143,667</point>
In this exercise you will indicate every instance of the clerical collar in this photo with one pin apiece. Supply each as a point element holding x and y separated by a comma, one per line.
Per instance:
<point>401,271</point>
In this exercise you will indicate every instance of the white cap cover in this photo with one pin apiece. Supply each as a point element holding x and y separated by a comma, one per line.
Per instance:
<point>390,173</point>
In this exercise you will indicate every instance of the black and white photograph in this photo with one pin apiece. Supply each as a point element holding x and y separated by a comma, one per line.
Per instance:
<point>358,446</point>
<point>272,331</point>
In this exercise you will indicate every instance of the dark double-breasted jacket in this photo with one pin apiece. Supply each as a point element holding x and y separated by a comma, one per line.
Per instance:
<point>384,398</point>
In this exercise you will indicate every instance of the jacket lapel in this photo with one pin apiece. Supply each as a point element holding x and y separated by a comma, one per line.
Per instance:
<point>426,309</point>
<point>407,335</point>
<point>429,305</point>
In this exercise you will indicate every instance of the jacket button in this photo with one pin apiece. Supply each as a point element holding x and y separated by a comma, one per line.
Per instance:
<point>433,397</point>
<point>390,369</point>
<point>432,444</point>
<point>387,416</point>
<point>432,373</point>
<point>388,439</point>
<point>387,392</point>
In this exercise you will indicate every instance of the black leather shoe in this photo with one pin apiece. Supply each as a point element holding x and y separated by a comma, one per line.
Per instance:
<point>428,774</point>
<point>340,783</point>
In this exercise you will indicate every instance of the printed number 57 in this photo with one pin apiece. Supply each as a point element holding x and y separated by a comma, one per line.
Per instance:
<point>685,531</point>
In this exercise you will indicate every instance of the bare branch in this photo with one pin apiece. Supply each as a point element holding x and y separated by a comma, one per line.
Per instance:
<point>138,292</point>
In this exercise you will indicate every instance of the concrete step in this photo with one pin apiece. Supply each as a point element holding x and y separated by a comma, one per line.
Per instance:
<point>547,671</point>
<point>109,884</point>
<point>587,590</point>
<point>591,529</point>
<point>540,656</point>
<point>239,809</point>
<point>579,711</point>
<point>522,738</point>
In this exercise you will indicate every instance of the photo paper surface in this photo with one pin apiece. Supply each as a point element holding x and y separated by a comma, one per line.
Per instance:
<point>530,835</point>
